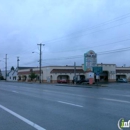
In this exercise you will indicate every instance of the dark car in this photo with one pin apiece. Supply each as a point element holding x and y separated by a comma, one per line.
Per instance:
<point>122,80</point>
<point>82,81</point>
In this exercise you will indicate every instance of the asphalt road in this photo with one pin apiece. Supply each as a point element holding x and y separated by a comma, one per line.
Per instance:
<point>50,107</point>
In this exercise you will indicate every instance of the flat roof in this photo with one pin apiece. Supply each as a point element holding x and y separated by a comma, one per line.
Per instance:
<point>105,64</point>
<point>66,71</point>
<point>61,66</point>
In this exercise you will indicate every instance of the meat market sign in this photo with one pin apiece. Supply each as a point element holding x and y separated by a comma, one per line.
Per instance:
<point>90,60</point>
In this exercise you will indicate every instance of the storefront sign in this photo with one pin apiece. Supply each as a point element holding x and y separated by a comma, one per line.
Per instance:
<point>90,60</point>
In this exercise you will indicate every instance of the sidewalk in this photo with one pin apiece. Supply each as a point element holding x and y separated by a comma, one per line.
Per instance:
<point>56,84</point>
<point>83,85</point>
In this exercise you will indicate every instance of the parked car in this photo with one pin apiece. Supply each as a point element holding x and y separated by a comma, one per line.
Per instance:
<point>81,81</point>
<point>62,81</point>
<point>122,80</point>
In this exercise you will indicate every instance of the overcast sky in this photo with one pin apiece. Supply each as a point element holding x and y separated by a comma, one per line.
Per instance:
<point>68,28</point>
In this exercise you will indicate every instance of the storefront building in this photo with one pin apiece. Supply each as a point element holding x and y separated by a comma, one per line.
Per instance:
<point>66,74</point>
<point>54,74</point>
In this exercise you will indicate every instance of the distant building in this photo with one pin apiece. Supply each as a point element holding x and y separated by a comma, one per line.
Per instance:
<point>51,74</point>
<point>12,75</point>
<point>67,74</point>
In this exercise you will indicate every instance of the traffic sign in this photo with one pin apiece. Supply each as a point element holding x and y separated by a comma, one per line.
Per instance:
<point>97,76</point>
<point>97,70</point>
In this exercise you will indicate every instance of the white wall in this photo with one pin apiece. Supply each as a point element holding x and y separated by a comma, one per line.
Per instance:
<point>47,70</point>
<point>111,68</point>
<point>11,76</point>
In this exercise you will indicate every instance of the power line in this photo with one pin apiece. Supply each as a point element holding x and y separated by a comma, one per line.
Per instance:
<point>93,27</point>
<point>120,50</point>
<point>81,56</point>
<point>124,40</point>
<point>88,33</point>
<point>99,45</point>
<point>107,22</point>
<point>99,53</point>
<point>92,46</point>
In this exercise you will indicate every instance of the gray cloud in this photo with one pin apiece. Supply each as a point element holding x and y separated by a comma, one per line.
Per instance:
<point>68,28</point>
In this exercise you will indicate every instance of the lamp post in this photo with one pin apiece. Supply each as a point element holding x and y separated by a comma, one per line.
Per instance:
<point>39,67</point>
<point>40,61</point>
<point>18,62</point>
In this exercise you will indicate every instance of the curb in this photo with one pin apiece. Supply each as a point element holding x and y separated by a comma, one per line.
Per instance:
<point>83,86</point>
<point>64,85</point>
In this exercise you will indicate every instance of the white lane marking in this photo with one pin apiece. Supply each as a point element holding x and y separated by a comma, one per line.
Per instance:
<point>9,90</point>
<point>121,95</point>
<point>114,100</point>
<point>22,118</point>
<point>52,92</point>
<point>14,91</point>
<point>108,99</point>
<point>126,95</point>
<point>70,104</point>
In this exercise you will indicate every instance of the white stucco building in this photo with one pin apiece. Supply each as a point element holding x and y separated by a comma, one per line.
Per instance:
<point>12,75</point>
<point>51,74</point>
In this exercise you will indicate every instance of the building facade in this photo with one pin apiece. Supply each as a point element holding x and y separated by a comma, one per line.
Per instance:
<point>52,74</point>
<point>12,75</point>
<point>123,72</point>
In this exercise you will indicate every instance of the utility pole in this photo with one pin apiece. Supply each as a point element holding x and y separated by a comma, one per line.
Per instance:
<point>18,62</point>
<point>40,61</point>
<point>6,67</point>
<point>74,72</point>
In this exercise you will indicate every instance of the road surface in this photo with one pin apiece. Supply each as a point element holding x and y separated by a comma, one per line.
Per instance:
<point>26,106</point>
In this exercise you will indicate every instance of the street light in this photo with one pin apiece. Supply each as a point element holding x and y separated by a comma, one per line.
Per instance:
<point>39,66</point>
<point>40,58</point>
<point>35,52</point>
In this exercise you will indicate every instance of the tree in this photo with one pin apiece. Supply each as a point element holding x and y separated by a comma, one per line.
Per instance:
<point>32,76</point>
<point>1,77</point>
<point>0,73</point>
<point>12,68</point>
